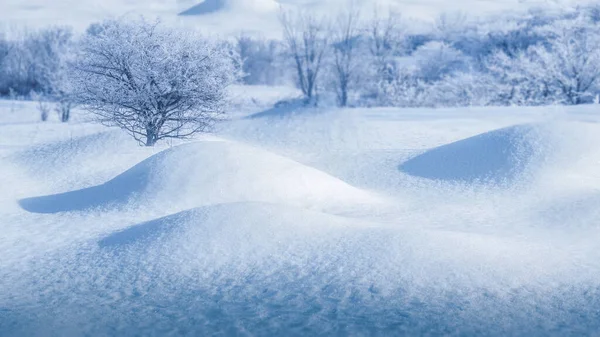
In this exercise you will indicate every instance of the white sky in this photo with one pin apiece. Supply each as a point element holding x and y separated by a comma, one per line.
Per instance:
<point>248,15</point>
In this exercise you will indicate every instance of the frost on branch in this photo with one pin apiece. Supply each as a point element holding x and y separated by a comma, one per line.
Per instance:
<point>154,82</point>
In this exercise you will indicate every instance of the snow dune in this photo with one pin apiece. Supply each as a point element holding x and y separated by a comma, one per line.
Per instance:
<point>496,156</point>
<point>251,234</point>
<point>208,172</point>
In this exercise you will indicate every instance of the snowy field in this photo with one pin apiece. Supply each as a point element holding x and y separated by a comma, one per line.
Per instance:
<point>473,221</point>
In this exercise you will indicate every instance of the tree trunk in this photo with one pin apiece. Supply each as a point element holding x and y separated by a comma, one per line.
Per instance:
<point>65,115</point>
<point>343,97</point>
<point>151,137</point>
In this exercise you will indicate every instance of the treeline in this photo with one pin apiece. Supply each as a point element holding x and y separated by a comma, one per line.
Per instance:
<point>538,58</point>
<point>354,59</point>
<point>30,60</point>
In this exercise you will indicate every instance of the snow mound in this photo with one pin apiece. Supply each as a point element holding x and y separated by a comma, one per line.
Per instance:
<point>59,165</point>
<point>235,238</point>
<point>208,172</point>
<point>242,221</point>
<point>496,156</point>
<point>247,6</point>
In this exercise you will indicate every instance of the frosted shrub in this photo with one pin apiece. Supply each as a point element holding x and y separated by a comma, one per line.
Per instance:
<point>438,59</point>
<point>155,83</point>
<point>404,90</point>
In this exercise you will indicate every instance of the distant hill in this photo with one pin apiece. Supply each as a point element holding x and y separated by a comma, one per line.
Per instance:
<point>206,7</point>
<point>247,6</point>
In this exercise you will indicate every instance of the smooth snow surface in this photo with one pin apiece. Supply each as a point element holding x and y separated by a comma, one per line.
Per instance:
<point>494,156</point>
<point>245,6</point>
<point>206,7</point>
<point>479,221</point>
<point>204,173</point>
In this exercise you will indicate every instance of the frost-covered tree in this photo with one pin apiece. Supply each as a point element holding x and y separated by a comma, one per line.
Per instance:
<point>438,59</point>
<point>154,82</point>
<point>450,25</point>
<point>564,69</point>
<point>48,49</point>
<point>345,40</point>
<point>469,88</point>
<point>32,58</point>
<point>307,39</point>
<point>62,89</point>
<point>4,49</point>
<point>259,59</point>
<point>571,60</point>
<point>385,38</point>
<point>382,73</point>
<point>404,89</point>
<point>520,80</point>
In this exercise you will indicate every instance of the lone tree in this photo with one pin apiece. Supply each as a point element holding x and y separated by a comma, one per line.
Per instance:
<point>154,82</point>
<point>346,40</point>
<point>306,37</point>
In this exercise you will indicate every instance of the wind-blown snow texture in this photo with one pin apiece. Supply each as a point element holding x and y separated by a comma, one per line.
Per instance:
<point>342,222</point>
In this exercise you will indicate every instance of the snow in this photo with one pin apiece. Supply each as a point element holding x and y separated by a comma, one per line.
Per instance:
<point>239,6</point>
<point>318,222</point>
<point>290,220</point>
<point>205,7</point>
<point>494,156</point>
<point>249,16</point>
<point>206,173</point>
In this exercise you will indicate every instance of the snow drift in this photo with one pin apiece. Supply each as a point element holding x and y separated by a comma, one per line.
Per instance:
<point>208,172</point>
<point>274,235</point>
<point>496,156</point>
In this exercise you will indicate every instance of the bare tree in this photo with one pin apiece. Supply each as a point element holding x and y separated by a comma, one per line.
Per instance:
<point>60,86</point>
<point>346,37</point>
<point>449,25</point>
<point>5,48</point>
<point>306,37</point>
<point>154,82</point>
<point>259,59</point>
<point>384,36</point>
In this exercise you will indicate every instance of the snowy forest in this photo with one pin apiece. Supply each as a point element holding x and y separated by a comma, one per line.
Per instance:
<point>376,60</point>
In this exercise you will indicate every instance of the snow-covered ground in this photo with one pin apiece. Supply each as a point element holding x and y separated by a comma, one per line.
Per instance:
<point>289,222</point>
